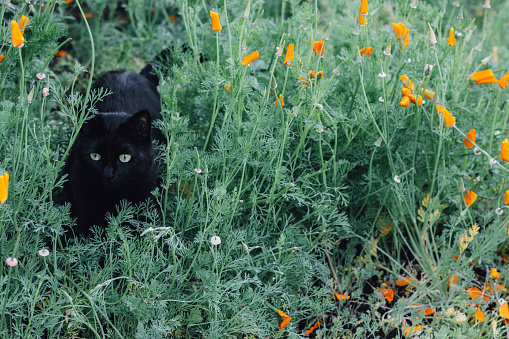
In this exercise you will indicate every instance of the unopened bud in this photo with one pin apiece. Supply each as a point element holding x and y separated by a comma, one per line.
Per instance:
<point>246,11</point>
<point>432,37</point>
<point>273,83</point>
<point>470,26</point>
<point>479,45</point>
<point>356,30</point>
<point>414,4</point>
<point>487,59</point>
<point>257,21</point>
<point>280,49</point>
<point>460,14</point>
<point>388,48</point>
<point>319,107</point>
<point>325,35</point>
<point>469,58</point>
<point>487,4</point>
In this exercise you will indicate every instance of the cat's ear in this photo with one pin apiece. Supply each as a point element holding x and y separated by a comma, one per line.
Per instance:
<point>140,124</point>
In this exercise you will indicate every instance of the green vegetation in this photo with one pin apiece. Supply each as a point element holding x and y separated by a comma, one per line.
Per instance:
<point>340,191</point>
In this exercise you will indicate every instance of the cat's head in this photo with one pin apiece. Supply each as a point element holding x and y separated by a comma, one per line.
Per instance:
<point>115,149</point>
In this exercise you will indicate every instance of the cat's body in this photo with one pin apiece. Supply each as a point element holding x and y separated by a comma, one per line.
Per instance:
<point>113,157</point>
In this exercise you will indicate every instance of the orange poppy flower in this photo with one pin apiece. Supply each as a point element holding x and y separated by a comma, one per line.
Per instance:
<point>364,7</point>
<point>278,100</point>
<point>470,197</point>
<point>402,34</point>
<point>251,57</point>
<point>453,280</point>
<point>16,35</point>
<point>22,23</point>
<point>1,57</point>
<point>317,47</point>
<point>368,51</point>
<point>448,118</point>
<point>474,292</point>
<point>470,136</point>
<point>411,330</point>
<point>61,53</point>
<point>89,15</point>
<point>429,94</point>
<point>407,82</point>
<point>405,101</point>
<point>286,319</point>
<point>484,77</point>
<point>314,327</point>
<point>504,81</point>
<point>504,153</point>
<point>494,273</point>
<point>506,197</point>
<point>289,55</point>
<point>404,282</point>
<point>216,24</point>
<point>121,21</point>
<point>4,187</point>
<point>341,296</point>
<point>362,18</point>
<point>227,87</point>
<point>452,40</point>
<point>479,315</point>
<point>504,310</point>
<point>173,19</point>
<point>388,294</point>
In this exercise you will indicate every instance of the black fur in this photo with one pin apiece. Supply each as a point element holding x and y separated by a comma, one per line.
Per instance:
<point>122,126</point>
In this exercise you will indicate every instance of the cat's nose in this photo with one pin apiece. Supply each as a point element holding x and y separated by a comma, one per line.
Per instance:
<point>108,173</point>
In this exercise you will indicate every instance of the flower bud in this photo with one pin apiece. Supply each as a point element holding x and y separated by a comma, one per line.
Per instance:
<point>280,49</point>
<point>469,58</point>
<point>246,11</point>
<point>325,35</point>
<point>432,37</point>
<point>414,4</point>
<point>257,21</point>
<point>487,59</point>
<point>388,48</point>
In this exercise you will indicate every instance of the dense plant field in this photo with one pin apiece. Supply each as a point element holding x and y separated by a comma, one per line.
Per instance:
<point>333,169</point>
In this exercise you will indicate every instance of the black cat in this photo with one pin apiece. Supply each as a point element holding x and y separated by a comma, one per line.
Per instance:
<point>113,156</point>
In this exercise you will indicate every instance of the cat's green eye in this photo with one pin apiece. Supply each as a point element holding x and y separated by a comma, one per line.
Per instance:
<point>125,157</point>
<point>95,156</point>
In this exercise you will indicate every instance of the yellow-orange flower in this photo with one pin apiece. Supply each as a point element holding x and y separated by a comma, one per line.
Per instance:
<point>504,153</point>
<point>429,94</point>
<point>494,273</point>
<point>474,292</point>
<point>4,187</point>
<point>362,18</point>
<point>388,293</point>
<point>16,35</point>
<point>364,7</point>
<point>506,197</point>
<point>289,55</point>
<point>368,51</point>
<point>452,40</point>
<point>216,24</point>
<point>22,23</point>
<point>227,87</point>
<point>453,280</point>
<point>318,47</point>
<point>173,19</point>
<point>407,82</point>
<point>280,99</point>
<point>470,197</point>
<point>504,81</point>
<point>470,136</point>
<point>89,15</point>
<point>448,118</point>
<point>411,330</point>
<point>314,327</point>
<point>251,57</point>
<point>341,296</point>
<point>404,282</point>
<point>286,319</point>
<point>312,74</point>
<point>1,57</point>
<point>61,53</point>
<point>503,311</point>
<point>484,77</point>
<point>479,315</point>
<point>402,34</point>
<point>405,101</point>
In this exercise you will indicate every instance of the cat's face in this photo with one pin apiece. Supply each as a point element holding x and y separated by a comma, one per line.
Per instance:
<point>115,149</point>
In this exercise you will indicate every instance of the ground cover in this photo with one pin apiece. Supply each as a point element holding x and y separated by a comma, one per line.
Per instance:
<point>332,169</point>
